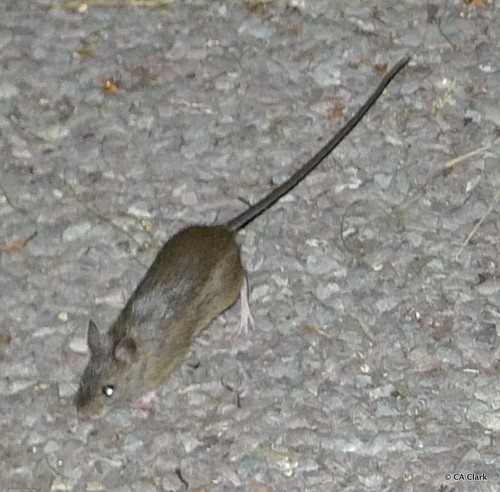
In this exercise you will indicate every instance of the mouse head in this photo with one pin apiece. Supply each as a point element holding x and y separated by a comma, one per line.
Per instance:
<point>104,381</point>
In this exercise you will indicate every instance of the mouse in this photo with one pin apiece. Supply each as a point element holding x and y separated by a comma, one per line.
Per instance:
<point>196,275</point>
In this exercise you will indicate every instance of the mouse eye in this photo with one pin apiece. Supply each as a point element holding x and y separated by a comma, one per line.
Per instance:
<point>108,390</point>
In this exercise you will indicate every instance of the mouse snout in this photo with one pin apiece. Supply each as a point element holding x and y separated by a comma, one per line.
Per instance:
<point>86,405</point>
<point>90,410</point>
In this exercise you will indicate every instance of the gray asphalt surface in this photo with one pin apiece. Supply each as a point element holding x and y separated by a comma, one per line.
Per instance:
<point>374,285</point>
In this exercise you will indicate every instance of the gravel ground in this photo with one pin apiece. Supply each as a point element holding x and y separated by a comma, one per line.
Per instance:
<point>374,285</point>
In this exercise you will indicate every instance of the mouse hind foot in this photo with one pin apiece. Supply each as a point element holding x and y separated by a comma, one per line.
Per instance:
<point>246,318</point>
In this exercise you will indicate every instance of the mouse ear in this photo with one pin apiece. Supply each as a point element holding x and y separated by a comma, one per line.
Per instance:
<point>93,339</point>
<point>126,350</point>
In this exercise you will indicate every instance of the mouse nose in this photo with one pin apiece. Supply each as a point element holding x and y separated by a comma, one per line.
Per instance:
<point>90,411</point>
<point>87,406</point>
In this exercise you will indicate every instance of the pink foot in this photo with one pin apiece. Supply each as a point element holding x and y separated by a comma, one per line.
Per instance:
<point>148,401</point>
<point>246,318</point>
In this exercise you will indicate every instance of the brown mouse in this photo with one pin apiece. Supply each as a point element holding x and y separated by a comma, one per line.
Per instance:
<point>196,275</point>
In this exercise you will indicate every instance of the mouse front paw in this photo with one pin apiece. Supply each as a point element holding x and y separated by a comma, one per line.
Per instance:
<point>148,401</point>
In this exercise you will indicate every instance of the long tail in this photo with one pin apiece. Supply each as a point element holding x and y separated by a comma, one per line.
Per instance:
<point>254,211</point>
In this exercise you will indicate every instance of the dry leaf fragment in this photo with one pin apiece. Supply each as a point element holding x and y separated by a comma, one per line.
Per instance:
<point>82,6</point>
<point>84,52</point>
<point>5,339</point>
<point>256,5</point>
<point>313,329</point>
<point>109,85</point>
<point>477,3</point>
<point>477,90</point>
<point>381,68</point>
<point>14,245</point>
<point>336,112</point>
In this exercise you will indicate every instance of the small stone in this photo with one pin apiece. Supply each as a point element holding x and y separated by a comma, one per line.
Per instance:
<point>76,231</point>
<point>7,90</point>
<point>78,345</point>
<point>53,133</point>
